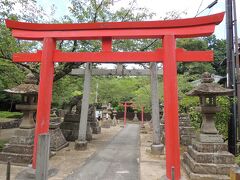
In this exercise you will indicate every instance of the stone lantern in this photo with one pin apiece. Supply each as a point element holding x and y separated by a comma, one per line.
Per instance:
<point>28,90</point>
<point>20,146</point>
<point>135,119</point>
<point>208,156</point>
<point>207,92</point>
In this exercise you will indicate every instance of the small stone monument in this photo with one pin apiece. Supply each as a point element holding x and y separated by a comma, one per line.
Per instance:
<point>58,141</point>
<point>105,122</point>
<point>70,125</point>
<point>20,147</point>
<point>186,130</point>
<point>135,119</point>
<point>207,157</point>
<point>114,121</point>
<point>94,124</point>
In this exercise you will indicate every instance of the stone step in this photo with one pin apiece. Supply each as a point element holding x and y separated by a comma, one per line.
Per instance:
<point>209,147</point>
<point>16,158</point>
<point>18,149</point>
<point>222,157</point>
<point>195,176</point>
<point>206,168</point>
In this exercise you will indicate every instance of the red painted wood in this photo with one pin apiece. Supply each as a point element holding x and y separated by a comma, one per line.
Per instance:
<point>181,32</point>
<point>45,92</point>
<point>198,21</point>
<point>107,44</point>
<point>171,108</point>
<point>27,57</point>
<point>100,57</point>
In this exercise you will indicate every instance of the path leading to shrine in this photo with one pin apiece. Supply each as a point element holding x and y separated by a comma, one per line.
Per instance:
<point>119,160</point>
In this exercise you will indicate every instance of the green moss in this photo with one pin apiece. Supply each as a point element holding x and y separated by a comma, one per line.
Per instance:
<point>7,114</point>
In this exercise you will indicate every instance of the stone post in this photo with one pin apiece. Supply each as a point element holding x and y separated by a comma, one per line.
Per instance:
<point>156,147</point>
<point>81,142</point>
<point>114,121</point>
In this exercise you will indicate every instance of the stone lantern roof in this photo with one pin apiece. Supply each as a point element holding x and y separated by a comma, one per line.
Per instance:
<point>27,87</point>
<point>209,88</point>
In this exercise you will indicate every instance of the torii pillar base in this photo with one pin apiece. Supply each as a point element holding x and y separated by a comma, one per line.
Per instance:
<point>80,145</point>
<point>157,149</point>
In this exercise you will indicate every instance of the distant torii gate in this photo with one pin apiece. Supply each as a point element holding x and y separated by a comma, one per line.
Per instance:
<point>167,30</point>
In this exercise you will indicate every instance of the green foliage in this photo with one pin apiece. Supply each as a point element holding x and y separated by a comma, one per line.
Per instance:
<point>193,68</point>
<point>222,117</point>
<point>65,88</point>
<point>120,89</point>
<point>7,114</point>
<point>237,160</point>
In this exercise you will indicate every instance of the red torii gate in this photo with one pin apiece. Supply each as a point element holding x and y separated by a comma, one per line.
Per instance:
<point>167,30</point>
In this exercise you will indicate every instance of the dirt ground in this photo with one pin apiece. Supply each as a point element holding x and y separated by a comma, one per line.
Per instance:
<point>152,167</point>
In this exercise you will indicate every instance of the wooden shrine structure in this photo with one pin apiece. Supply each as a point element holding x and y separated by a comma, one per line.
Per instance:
<point>169,55</point>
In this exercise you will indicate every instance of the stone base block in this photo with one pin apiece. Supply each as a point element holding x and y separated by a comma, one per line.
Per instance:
<point>57,141</point>
<point>72,118</point>
<point>96,130</point>
<point>69,125</point>
<point>70,135</point>
<point>18,149</point>
<point>196,176</point>
<point>221,157</point>
<point>186,139</point>
<point>157,149</point>
<point>209,147</point>
<point>23,136</point>
<point>106,124</point>
<point>210,138</point>
<point>80,145</point>
<point>22,159</point>
<point>206,168</point>
<point>186,130</point>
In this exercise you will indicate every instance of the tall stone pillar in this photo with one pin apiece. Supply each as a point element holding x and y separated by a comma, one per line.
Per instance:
<point>81,142</point>
<point>156,147</point>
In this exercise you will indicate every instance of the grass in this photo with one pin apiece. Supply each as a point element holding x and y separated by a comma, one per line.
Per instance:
<point>7,114</point>
<point>2,142</point>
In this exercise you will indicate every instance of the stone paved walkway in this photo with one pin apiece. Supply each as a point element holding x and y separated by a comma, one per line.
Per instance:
<point>119,160</point>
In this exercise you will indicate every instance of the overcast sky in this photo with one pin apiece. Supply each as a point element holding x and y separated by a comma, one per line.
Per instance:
<point>160,7</point>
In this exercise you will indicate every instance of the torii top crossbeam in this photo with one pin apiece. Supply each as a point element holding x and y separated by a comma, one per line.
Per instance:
<point>167,30</point>
<point>182,28</point>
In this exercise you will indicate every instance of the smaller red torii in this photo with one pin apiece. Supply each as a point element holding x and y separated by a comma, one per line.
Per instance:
<point>169,55</point>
